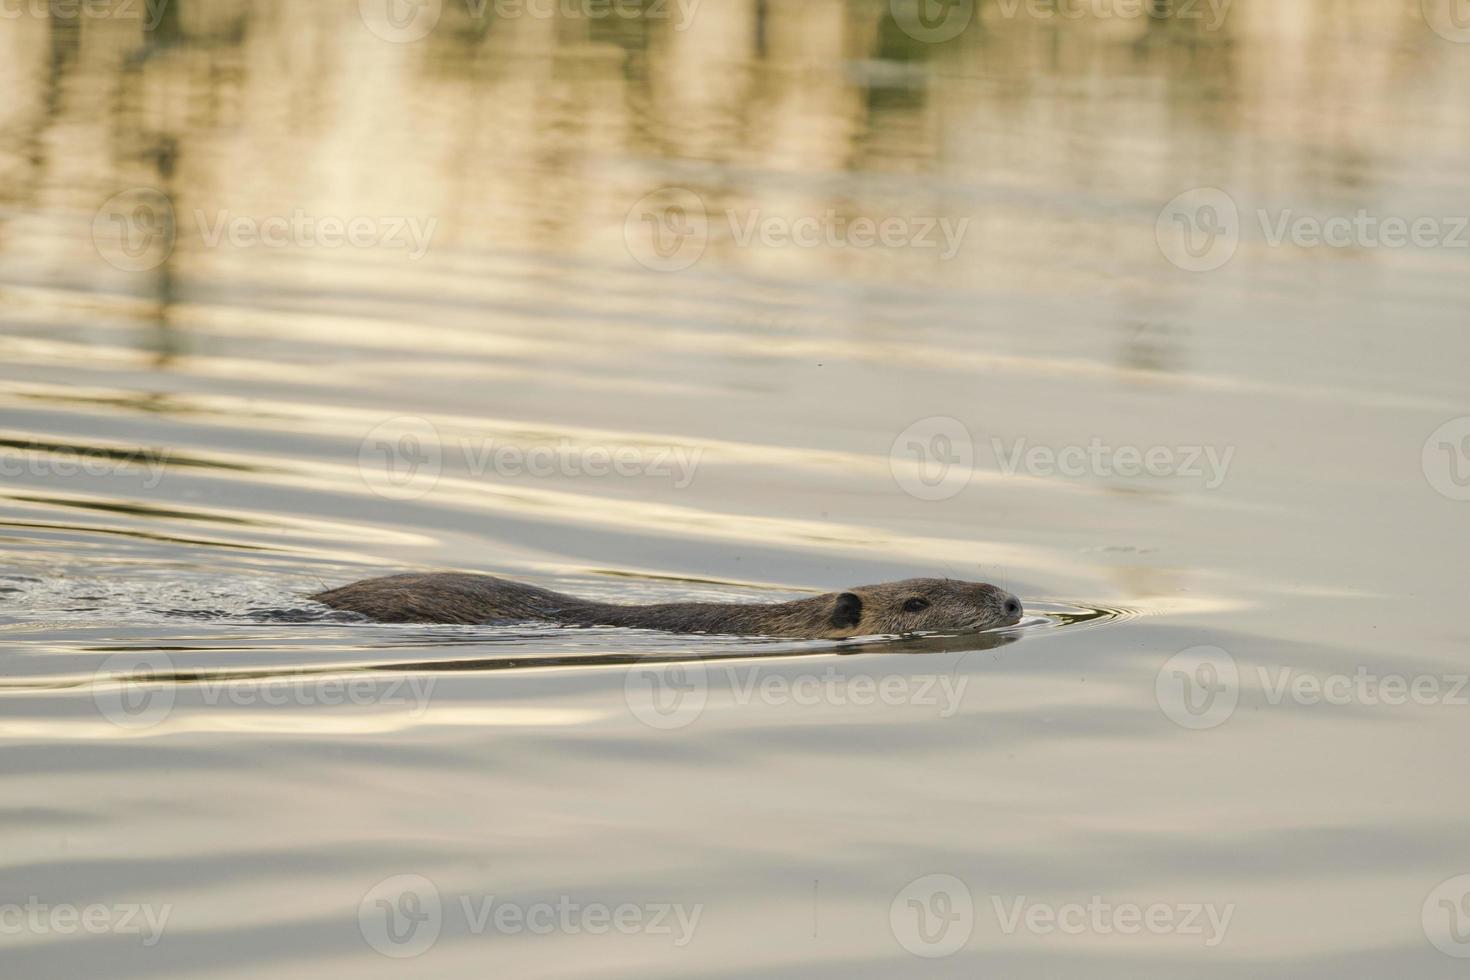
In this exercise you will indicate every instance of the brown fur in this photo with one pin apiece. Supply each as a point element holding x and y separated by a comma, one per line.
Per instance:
<point>455,597</point>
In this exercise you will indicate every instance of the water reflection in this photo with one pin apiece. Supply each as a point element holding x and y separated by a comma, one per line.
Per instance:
<point>464,247</point>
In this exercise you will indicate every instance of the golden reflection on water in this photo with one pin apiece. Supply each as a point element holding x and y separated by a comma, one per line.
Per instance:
<point>516,134</point>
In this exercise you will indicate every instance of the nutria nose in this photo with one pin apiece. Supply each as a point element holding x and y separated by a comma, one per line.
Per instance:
<point>1013,607</point>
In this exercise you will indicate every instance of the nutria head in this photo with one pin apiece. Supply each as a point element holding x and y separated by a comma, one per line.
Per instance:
<point>916,605</point>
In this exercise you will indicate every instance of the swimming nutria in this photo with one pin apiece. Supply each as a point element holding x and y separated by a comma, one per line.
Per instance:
<point>910,606</point>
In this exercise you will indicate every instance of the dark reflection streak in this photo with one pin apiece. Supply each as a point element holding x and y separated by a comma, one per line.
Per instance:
<point>145,535</point>
<point>160,148</point>
<point>64,36</point>
<point>979,641</point>
<point>138,510</point>
<point>161,151</point>
<point>931,643</point>
<point>151,402</point>
<point>165,457</point>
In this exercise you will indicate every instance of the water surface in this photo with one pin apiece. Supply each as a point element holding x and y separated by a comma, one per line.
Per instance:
<point>612,323</point>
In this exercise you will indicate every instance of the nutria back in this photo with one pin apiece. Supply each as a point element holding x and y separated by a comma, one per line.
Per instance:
<point>908,606</point>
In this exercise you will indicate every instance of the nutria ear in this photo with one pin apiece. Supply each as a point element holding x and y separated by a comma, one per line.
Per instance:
<point>847,611</point>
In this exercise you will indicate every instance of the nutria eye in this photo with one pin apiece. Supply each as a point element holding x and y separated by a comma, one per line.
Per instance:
<point>916,604</point>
